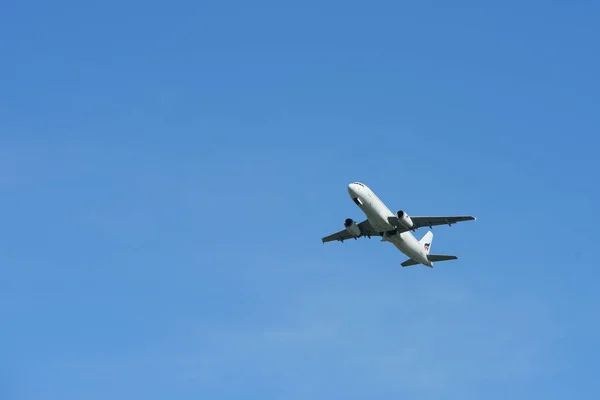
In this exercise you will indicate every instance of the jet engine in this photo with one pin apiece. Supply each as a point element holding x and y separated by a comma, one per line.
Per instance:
<point>404,220</point>
<point>351,227</point>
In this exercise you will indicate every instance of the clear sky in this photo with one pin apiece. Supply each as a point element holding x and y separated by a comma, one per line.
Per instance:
<point>167,171</point>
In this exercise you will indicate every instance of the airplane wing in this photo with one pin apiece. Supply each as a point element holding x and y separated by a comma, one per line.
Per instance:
<point>420,222</point>
<point>366,229</point>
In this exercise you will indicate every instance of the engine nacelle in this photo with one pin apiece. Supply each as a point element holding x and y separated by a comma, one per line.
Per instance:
<point>351,227</point>
<point>404,219</point>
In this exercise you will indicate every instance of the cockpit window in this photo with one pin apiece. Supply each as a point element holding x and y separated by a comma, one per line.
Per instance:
<point>359,184</point>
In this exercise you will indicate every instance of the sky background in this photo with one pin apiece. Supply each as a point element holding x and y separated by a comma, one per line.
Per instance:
<point>167,171</point>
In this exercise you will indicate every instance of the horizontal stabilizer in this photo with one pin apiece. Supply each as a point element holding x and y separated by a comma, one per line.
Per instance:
<point>440,257</point>
<point>409,262</point>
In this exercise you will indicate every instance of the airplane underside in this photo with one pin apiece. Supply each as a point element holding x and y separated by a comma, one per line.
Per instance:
<point>402,245</point>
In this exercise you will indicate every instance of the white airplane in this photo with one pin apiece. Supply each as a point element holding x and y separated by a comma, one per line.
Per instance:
<point>393,228</point>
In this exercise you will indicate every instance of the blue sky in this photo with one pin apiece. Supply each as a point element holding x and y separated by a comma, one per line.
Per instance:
<point>167,172</point>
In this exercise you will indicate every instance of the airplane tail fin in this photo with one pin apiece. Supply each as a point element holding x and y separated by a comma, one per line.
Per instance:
<point>426,241</point>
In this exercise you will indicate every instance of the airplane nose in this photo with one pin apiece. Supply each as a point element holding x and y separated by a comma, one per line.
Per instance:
<point>352,189</point>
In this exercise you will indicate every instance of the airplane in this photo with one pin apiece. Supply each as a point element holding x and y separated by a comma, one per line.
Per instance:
<point>393,228</point>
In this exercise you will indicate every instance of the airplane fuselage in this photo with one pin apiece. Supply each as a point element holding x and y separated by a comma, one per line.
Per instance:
<point>378,215</point>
